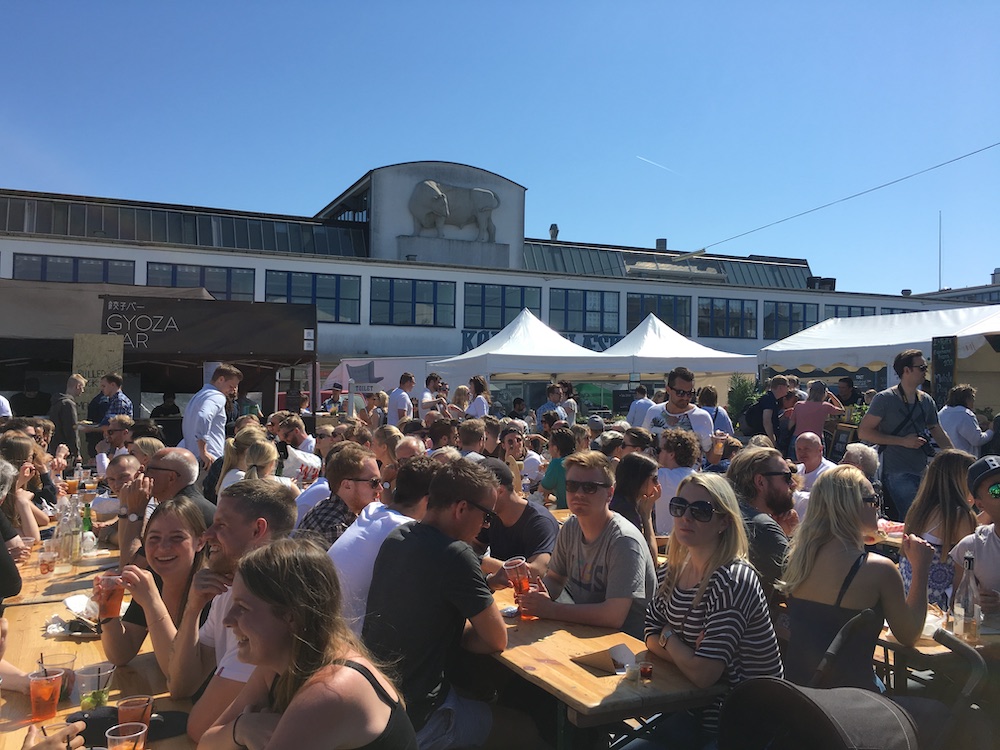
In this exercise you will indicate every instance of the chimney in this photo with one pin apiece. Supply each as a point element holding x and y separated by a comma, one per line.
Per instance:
<point>906,292</point>
<point>661,244</point>
<point>995,279</point>
<point>553,232</point>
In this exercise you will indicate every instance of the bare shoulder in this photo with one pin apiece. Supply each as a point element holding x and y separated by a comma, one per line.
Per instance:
<point>338,685</point>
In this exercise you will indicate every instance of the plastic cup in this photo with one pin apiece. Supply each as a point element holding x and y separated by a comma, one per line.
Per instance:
<point>135,709</point>
<point>47,562</point>
<point>131,735</point>
<point>44,687</point>
<point>65,662</point>
<point>95,684</point>
<point>72,485</point>
<point>113,590</point>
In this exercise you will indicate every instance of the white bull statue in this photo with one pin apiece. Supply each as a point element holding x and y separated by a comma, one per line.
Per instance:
<point>434,204</point>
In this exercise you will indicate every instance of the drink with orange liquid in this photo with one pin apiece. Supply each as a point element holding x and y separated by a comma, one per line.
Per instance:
<point>44,687</point>
<point>109,591</point>
<point>72,486</point>
<point>136,709</point>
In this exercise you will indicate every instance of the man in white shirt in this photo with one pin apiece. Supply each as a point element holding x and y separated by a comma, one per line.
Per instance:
<point>5,408</point>
<point>678,412</point>
<point>429,399</point>
<point>400,407</point>
<point>292,430</point>
<point>355,550</point>
<point>204,422</point>
<point>958,419</point>
<point>640,405</point>
<point>809,449</point>
<point>250,514</point>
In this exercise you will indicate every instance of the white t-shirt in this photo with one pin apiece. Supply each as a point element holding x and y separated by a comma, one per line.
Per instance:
<point>5,407</point>
<point>985,546</point>
<point>354,555</point>
<point>670,479</point>
<point>695,419</point>
<point>424,397</point>
<point>399,400</point>
<point>232,477</point>
<point>479,408</point>
<point>216,635</point>
<point>569,406</point>
<point>810,477</point>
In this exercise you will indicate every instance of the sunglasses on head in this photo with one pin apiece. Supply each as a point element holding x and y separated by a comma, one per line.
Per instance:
<point>587,488</point>
<point>700,510</point>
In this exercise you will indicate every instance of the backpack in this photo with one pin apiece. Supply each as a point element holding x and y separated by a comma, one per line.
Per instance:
<point>752,419</point>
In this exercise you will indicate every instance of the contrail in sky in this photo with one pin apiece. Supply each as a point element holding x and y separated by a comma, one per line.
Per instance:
<point>650,161</point>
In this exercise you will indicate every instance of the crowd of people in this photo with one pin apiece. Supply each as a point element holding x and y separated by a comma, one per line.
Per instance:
<point>354,610</point>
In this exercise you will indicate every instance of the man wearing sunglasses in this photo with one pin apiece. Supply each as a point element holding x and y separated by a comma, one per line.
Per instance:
<point>900,422</point>
<point>764,485</point>
<point>429,601</point>
<point>601,572</point>
<point>355,481</point>
<point>984,542</point>
<point>678,411</point>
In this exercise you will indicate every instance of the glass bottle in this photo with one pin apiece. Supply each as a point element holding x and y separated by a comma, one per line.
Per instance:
<point>965,607</point>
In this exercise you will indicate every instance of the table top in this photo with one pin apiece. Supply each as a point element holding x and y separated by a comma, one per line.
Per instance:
<point>561,514</point>
<point>541,651</point>
<point>26,639</point>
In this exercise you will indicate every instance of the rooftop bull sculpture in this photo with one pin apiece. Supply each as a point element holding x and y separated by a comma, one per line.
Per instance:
<point>434,204</point>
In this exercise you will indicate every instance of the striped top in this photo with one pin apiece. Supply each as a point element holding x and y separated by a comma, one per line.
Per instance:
<point>734,617</point>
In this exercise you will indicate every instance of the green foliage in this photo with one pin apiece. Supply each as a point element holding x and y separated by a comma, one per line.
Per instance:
<point>743,391</point>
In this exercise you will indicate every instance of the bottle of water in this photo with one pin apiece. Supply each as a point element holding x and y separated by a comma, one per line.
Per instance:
<point>965,607</point>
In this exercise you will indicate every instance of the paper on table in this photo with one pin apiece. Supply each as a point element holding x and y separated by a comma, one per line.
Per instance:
<point>610,660</point>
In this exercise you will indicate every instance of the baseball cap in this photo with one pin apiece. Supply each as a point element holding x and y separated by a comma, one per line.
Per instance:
<point>984,468</point>
<point>595,423</point>
<point>336,387</point>
<point>500,470</point>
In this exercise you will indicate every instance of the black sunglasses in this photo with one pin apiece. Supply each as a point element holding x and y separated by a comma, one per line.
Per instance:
<point>680,392</point>
<point>488,515</point>
<point>786,474</point>
<point>922,368</point>
<point>700,510</point>
<point>374,481</point>
<point>587,488</point>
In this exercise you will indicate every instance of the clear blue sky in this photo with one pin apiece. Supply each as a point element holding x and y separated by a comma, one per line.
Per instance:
<point>757,110</point>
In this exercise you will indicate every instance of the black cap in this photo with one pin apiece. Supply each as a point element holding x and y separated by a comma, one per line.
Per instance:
<point>984,468</point>
<point>501,470</point>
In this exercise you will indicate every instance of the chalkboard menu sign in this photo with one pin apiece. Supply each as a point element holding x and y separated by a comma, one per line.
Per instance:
<point>943,350</point>
<point>842,437</point>
<point>621,402</point>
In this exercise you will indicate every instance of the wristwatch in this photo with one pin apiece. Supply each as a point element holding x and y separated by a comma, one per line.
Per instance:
<point>665,636</point>
<point>123,513</point>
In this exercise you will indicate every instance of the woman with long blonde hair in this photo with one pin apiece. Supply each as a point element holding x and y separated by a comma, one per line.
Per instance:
<point>315,681</point>
<point>234,464</point>
<point>829,578</point>
<point>144,447</point>
<point>459,402</point>
<point>710,616</point>
<point>942,515</point>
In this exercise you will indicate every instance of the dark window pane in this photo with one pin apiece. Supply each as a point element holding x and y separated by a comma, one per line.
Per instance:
<point>492,318</point>
<point>243,281</point>
<point>188,276</point>
<point>557,299</point>
<point>142,225</point>
<point>446,292</point>
<point>43,217</point>
<point>326,286</point>
<point>95,220</point>
<point>424,291</point>
<point>350,311</point>
<point>205,231</point>
<point>4,204</point>
<point>320,244</point>
<point>402,315</point>
<point>402,290</point>
<point>446,316</point>
<point>276,285</point>
<point>326,310</point>
<point>533,298</point>
<point>121,272</point>
<point>60,218</point>
<point>242,234</point>
<point>77,219</point>
<point>111,222</point>
<point>126,223</point>
<point>189,229</point>
<point>380,289</point>
<point>165,227</point>
<point>256,234</point>
<point>294,238</point>
<point>159,274</point>
<point>58,269</point>
<point>90,271</point>
<point>350,287</point>
<point>380,313</point>
<point>281,236</point>
<point>302,285</point>
<point>267,230</point>
<point>473,316</point>
<point>28,267</point>
<point>228,231</point>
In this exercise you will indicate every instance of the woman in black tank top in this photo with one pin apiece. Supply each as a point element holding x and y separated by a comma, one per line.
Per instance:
<point>829,578</point>
<point>315,685</point>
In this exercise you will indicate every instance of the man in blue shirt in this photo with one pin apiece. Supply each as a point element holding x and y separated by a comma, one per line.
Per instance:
<point>204,423</point>
<point>554,392</point>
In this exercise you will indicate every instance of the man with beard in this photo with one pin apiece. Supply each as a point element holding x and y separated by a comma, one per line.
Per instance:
<point>764,485</point>
<point>250,514</point>
<point>678,411</point>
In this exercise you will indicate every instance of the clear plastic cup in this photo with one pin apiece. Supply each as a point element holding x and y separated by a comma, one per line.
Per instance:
<point>130,736</point>
<point>44,689</point>
<point>95,684</point>
<point>64,662</point>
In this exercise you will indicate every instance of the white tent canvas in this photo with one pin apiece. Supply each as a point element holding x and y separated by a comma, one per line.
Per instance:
<point>527,349</point>
<point>874,341</point>
<point>654,348</point>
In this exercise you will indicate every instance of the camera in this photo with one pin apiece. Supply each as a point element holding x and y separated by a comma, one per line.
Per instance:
<point>928,447</point>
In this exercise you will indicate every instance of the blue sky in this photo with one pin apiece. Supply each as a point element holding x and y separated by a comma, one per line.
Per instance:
<point>758,112</point>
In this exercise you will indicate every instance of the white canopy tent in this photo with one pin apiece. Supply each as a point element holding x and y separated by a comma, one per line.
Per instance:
<point>527,349</point>
<point>653,348</point>
<point>874,341</point>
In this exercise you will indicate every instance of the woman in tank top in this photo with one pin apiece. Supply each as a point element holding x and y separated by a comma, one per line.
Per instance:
<point>942,514</point>
<point>829,578</point>
<point>314,686</point>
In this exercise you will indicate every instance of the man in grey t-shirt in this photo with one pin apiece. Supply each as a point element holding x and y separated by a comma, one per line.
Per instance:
<point>601,572</point>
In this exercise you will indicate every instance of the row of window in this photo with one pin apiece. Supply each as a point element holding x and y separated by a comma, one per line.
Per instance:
<point>66,219</point>
<point>414,302</point>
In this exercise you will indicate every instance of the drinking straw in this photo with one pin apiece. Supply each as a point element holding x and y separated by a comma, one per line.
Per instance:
<point>41,660</point>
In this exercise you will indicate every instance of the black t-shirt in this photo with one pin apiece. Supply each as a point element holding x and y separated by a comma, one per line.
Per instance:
<point>768,401</point>
<point>425,585</point>
<point>534,533</point>
<point>136,615</point>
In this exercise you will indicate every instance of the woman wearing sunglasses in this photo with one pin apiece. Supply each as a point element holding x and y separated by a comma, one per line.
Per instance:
<point>710,616</point>
<point>830,578</point>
